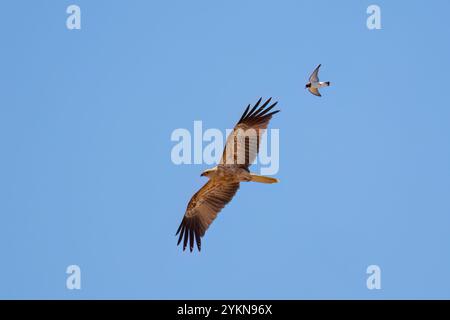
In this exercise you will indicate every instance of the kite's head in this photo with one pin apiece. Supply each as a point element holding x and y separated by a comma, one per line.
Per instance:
<point>208,172</point>
<point>308,85</point>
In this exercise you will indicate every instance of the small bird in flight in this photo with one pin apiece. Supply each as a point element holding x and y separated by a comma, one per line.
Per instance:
<point>314,84</point>
<point>240,152</point>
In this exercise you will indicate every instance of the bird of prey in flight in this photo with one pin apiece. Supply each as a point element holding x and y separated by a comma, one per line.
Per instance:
<point>240,152</point>
<point>314,84</point>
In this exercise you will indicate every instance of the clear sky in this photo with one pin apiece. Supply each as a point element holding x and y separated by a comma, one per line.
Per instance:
<point>86,176</point>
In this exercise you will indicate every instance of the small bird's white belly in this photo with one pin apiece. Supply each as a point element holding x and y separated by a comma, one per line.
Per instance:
<point>319,84</point>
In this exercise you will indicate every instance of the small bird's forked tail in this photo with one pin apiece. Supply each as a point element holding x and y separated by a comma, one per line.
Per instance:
<point>262,179</point>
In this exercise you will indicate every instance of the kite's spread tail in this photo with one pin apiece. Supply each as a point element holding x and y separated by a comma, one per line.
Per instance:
<point>262,179</point>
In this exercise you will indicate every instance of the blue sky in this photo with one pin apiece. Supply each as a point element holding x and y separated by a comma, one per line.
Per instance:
<point>86,176</point>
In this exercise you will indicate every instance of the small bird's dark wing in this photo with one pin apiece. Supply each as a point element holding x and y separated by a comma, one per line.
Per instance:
<point>314,91</point>
<point>203,209</point>
<point>315,75</point>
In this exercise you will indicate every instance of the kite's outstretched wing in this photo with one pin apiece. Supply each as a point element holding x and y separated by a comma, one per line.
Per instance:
<point>203,209</point>
<point>243,143</point>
